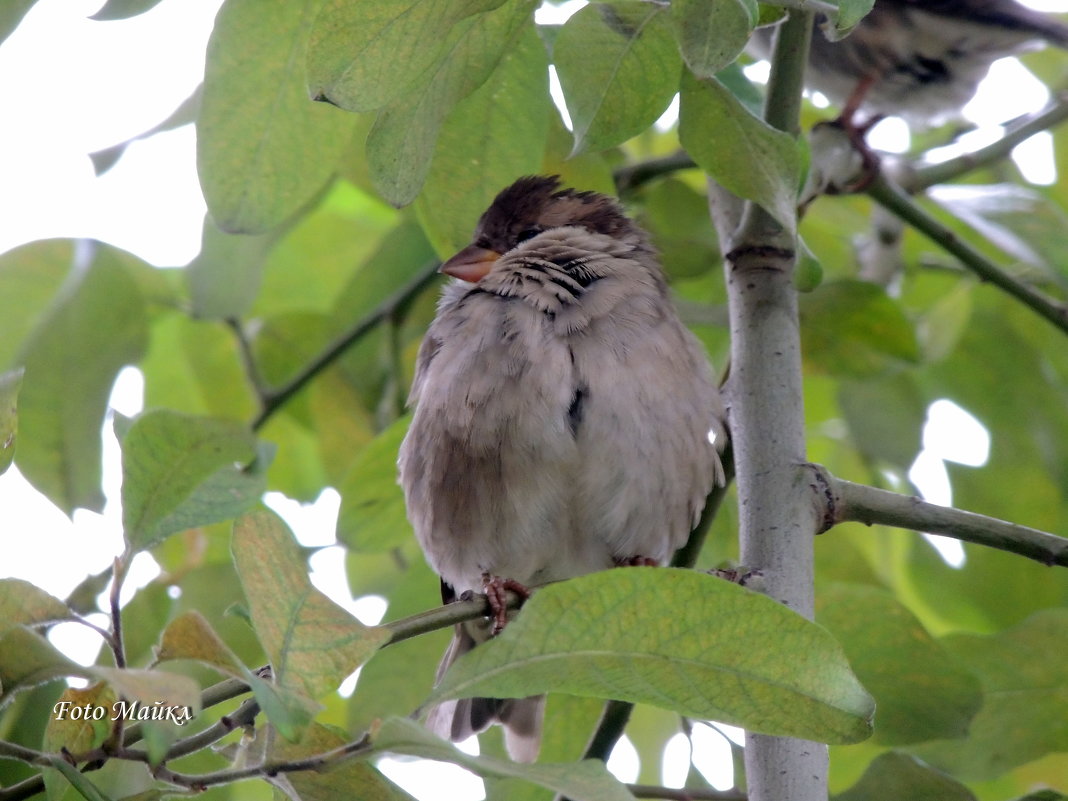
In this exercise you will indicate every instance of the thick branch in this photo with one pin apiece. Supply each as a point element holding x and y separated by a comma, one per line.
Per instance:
<point>864,504</point>
<point>274,400</point>
<point>631,176</point>
<point>894,199</point>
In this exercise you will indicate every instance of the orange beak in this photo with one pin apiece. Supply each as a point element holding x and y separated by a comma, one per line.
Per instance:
<point>471,264</point>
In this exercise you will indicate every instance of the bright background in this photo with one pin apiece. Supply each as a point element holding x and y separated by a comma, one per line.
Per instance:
<point>71,86</point>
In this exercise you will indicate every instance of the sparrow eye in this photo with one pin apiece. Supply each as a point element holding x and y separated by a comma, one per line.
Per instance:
<point>527,233</point>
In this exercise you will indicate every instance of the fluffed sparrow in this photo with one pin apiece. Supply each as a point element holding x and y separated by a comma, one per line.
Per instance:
<point>565,420</point>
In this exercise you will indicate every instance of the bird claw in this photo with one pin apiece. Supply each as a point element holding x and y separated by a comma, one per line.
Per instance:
<point>495,589</point>
<point>636,561</point>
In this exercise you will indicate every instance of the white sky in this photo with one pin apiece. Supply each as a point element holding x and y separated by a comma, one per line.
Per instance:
<point>70,86</point>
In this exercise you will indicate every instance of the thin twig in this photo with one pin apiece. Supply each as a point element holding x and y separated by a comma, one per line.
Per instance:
<point>864,504</point>
<point>932,174</point>
<point>248,358</point>
<point>893,198</point>
<point>685,794</point>
<point>272,401</point>
<point>631,176</point>
<point>268,770</point>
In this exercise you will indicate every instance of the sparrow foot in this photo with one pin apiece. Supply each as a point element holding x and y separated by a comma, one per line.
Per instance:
<point>495,588</point>
<point>636,561</point>
<point>739,575</point>
<point>856,133</point>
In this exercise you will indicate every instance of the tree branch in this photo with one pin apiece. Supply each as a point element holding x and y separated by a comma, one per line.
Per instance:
<point>857,502</point>
<point>272,401</point>
<point>932,174</point>
<point>777,519</point>
<point>893,198</point>
<point>685,794</point>
<point>267,770</point>
<point>214,695</point>
<point>631,176</point>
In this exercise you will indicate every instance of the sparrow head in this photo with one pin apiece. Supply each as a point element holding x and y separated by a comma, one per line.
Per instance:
<point>527,208</point>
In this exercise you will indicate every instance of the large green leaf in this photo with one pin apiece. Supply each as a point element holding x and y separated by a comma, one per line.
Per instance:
<point>400,146</point>
<point>740,151</point>
<point>921,691</point>
<point>1025,685</point>
<point>225,276</point>
<point>180,471</point>
<point>11,14</point>
<point>855,329</point>
<point>372,515</point>
<point>491,138</point>
<point>363,55</point>
<point>22,603</point>
<point>29,279</point>
<point>263,148</point>
<point>885,417</point>
<point>619,68</point>
<point>96,326</point>
<point>711,33</point>
<point>588,780</point>
<point>313,643</point>
<point>678,639</point>
<point>894,777</point>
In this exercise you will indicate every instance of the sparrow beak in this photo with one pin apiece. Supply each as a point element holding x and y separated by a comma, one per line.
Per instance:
<point>471,264</point>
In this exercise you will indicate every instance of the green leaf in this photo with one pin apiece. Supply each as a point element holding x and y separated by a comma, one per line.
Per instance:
<point>10,383</point>
<point>190,636</point>
<point>80,733</point>
<point>853,328</point>
<point>481,149</point>
<point>312,643</point>
<point>588,780</point>
<point>850,12</point>
<point>1025,687</point>
<point>96,326</point>
<point>263,149</point>
<point>363,55</point>
<point>181,471</point>
<point>921,692</point>
<point>30,276</point>
<point>885,417</point>
<point>123,9</point>
<point>11,14</point>
<point>677,639</point>
<point>22,603</point>
<point>739,150</point>
<point>711,33</point>
<point>619,68</point>
<point>400,146</point>
<point>893,777</point>
<point>372,515</point>
<point>676,217</point>
<point>28,659</point>
<point>225,276</point>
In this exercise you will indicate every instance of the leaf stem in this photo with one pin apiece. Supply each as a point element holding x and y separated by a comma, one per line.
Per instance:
<point>894,199</point>
<point>273,400</point>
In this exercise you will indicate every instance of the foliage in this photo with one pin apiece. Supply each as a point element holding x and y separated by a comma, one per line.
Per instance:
<point>279,360</point>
